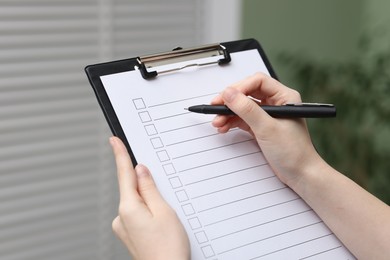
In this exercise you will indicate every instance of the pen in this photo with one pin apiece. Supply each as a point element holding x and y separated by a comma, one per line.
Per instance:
<point>305,110</point>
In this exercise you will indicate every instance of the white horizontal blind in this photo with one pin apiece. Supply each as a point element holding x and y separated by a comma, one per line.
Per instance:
<point>151,26</point>
<point>57,178</point>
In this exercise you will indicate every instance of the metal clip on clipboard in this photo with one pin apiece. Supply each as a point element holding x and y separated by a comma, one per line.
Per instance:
<point>147,63</point>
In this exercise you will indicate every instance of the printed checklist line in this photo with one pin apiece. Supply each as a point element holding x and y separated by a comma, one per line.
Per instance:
<point>261,224</point>
<point>211,149</point>
<point>192,139</point>
<point>246,198</point>
<point>304,242</point>
<point>215,162</point>
<point>279,234</point>
<point>225,174</point>
<point>320,253</point>
<point>199,138</point>
<point>184,127</point>
<point>181,100</point>
<point>170,116</point>
<point>250,212</point>
<point>232,187</point>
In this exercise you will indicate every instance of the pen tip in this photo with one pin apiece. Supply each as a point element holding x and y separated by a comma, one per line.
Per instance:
<point>185,108</point>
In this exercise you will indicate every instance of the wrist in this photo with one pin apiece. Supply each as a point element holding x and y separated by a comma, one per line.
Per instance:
<point>309,175</point>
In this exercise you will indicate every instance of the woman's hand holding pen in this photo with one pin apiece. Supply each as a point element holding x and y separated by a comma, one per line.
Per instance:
<point>356,217</point>
<point>285,143</point>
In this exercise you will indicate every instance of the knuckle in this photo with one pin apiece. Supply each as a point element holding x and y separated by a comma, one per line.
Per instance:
<point>247,107</point>
<point>271,129</point>
<point>295,95</point>
<point>167,212</point>
<point>116,225</point>
<point>146,183</point>
<point>124,211</point>
<point>259,75</point>
<point>147,187</point>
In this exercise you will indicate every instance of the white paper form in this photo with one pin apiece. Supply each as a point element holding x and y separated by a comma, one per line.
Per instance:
<point>223,190</point>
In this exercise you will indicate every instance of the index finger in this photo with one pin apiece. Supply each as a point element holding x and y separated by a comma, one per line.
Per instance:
<point>264,88</point>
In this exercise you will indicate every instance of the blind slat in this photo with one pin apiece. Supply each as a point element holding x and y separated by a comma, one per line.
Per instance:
<point>72,51</point>
<point>58,186</point>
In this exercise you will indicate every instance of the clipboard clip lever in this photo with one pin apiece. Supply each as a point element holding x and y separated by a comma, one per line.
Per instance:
<point>179,55</point>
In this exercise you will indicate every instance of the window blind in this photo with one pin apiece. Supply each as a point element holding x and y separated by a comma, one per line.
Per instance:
<point>58,191</point>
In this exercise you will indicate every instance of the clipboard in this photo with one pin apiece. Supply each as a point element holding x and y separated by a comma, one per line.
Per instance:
<point>226,195</point>
<point>95,71</point>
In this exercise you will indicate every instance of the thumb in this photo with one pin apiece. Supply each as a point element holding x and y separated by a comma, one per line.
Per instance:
<point>147,188</point>
<point>245,108</point>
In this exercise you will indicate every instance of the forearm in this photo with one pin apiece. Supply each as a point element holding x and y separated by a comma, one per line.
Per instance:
<point>358,219</point>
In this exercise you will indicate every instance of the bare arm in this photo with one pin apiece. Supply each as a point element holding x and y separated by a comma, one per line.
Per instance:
<point>359,220</point>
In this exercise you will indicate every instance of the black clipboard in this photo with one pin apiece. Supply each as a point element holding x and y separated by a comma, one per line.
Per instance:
<point>95,71</point>
<point>203,199</point>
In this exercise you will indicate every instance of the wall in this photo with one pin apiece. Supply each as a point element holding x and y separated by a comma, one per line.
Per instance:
<point>58,187</point>
<point>377,21</point>
<point>323,30</point>
<point>334,66</point>
<point>222,21</point>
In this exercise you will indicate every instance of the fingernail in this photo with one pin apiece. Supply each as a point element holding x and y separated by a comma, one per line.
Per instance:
<point>229,94</point>
<point>141,171</point>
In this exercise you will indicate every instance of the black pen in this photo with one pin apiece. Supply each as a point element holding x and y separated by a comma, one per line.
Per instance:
<point>304,110</point>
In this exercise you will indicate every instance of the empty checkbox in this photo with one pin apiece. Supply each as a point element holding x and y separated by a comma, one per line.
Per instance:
<point>150,130</point>
<point>181,195</point>
<point>208,251</point>
<point>169,169</point>
<point>194,223</point>
<point>139,103</point>
<point>188,209</point>
<point>163,156</point>
<point>201,237</point>
<point>156,142</point>
<point>144,116</point>
<point>175,182</point>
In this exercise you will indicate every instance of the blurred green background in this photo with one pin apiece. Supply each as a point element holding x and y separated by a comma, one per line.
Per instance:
<point>335,52</point>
